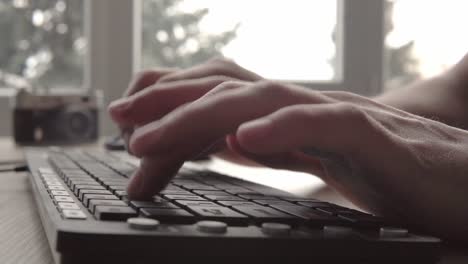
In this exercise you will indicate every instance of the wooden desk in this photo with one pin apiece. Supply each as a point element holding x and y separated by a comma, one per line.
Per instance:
<point>22,239</point>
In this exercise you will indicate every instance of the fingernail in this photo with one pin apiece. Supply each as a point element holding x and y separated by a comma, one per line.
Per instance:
<point>256,124</point>
<point>253,131</point>
<point>119,105</point>
<point>133,188</point>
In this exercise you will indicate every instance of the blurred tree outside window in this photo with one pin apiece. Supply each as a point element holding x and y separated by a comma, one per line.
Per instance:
<point>423,38</point>
<point>288,40</point>
<point>42,43</point>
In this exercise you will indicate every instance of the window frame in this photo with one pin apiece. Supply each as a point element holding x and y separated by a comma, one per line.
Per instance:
<point>113,31</point>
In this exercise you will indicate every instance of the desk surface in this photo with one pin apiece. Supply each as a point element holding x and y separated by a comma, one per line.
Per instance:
<point>22,239</point>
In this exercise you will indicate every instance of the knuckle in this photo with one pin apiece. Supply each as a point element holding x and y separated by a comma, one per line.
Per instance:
<point>221,61</point>
<point>223,86</point>
<point>227,85</point>
<point>351,112</point>
<point>271,88</point>
<point>297,114</point>
<point>220,79</point>
<point>143,75</point>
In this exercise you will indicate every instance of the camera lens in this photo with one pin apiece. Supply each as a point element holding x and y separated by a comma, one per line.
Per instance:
<point>79,123</point>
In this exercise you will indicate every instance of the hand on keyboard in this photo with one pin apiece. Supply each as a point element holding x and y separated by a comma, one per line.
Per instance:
<point>395,163</point>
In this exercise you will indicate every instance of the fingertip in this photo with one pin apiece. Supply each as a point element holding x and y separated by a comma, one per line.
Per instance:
<point>138,141</point>
<point>119,109</point>
<point>252,135</point>
<point>170,76</point>
<point>134,145</point>
<point>151,177</point>
<point>142,185</point>
<point>133,188</point>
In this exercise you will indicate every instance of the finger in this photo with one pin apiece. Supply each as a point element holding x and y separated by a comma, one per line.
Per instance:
<point>295,161</point>
<point>190,129</point>
<point>216,67</point>
<point>153,103</point>
<point>207,120</point>
<point>333,128</point>
<point>146,181</point>
<point>139,82</point>
<point>366,102</point>
<point>145,79</point>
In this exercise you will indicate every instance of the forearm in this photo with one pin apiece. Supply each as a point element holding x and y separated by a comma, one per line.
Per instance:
<point>444,98</point>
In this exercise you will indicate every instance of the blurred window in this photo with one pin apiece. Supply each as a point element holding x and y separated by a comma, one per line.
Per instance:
<point>423,39</point>
<point>42,43</point>
<point>288,40</point>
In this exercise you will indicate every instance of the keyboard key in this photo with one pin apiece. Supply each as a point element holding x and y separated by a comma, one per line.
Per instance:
<point>236,203</point>
<point>53,183</point>
<point>184,197</point>
<point>80,180</point>
<point>87,187</point>
<point>173,188</point>
<point>223,198</point>
<point>219,213</point>
<point>361,219</point>
<point>63,199</point>
<point>71,206</point>
<point>73,214</point>
<point>117,187</point>
<point>114,213</point>
<point>326,210</point>
<point>265,214</point>
<point>89,196</point>
<point>56,187</point>
<point>74,172</point>
<point>200,187</point>
<point>195,203</point>
<point>271,202</point>
<point>121,194</point>
<point>50,177</point>
<point>257,197</point>
<point>175,192</point>
<point>336,210</point>
<point>175,216</point>
<point>203,192</point>
<point>94,203</point>
<point>72,183</point>
<point>46,170</point>
<point>114,182</point>
<point>63,193</point>
<point>299,199</point>
<point>234,189</point>
<point>315,204</point>
<point>86,191</point>
<point>154,204</point>
<point>310,215</point>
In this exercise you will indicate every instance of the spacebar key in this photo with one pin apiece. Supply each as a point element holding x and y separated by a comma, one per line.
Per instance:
<point>310,215</point>
<point>114,213</point>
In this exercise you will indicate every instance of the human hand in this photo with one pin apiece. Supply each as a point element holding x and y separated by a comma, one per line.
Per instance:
<point>154,93</point>
<point>391,162</point>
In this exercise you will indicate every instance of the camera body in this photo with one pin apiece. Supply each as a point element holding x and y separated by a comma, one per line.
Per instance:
<point>55,119</point>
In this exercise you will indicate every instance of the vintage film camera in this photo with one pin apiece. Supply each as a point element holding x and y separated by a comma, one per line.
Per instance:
<point>45,119</point>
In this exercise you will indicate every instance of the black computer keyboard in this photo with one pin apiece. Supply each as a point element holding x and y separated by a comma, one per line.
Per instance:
<point>88,218</point>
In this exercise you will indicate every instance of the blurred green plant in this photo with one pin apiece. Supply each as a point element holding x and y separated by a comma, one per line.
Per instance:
<point>172,38</point>
<point>42,41</point>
